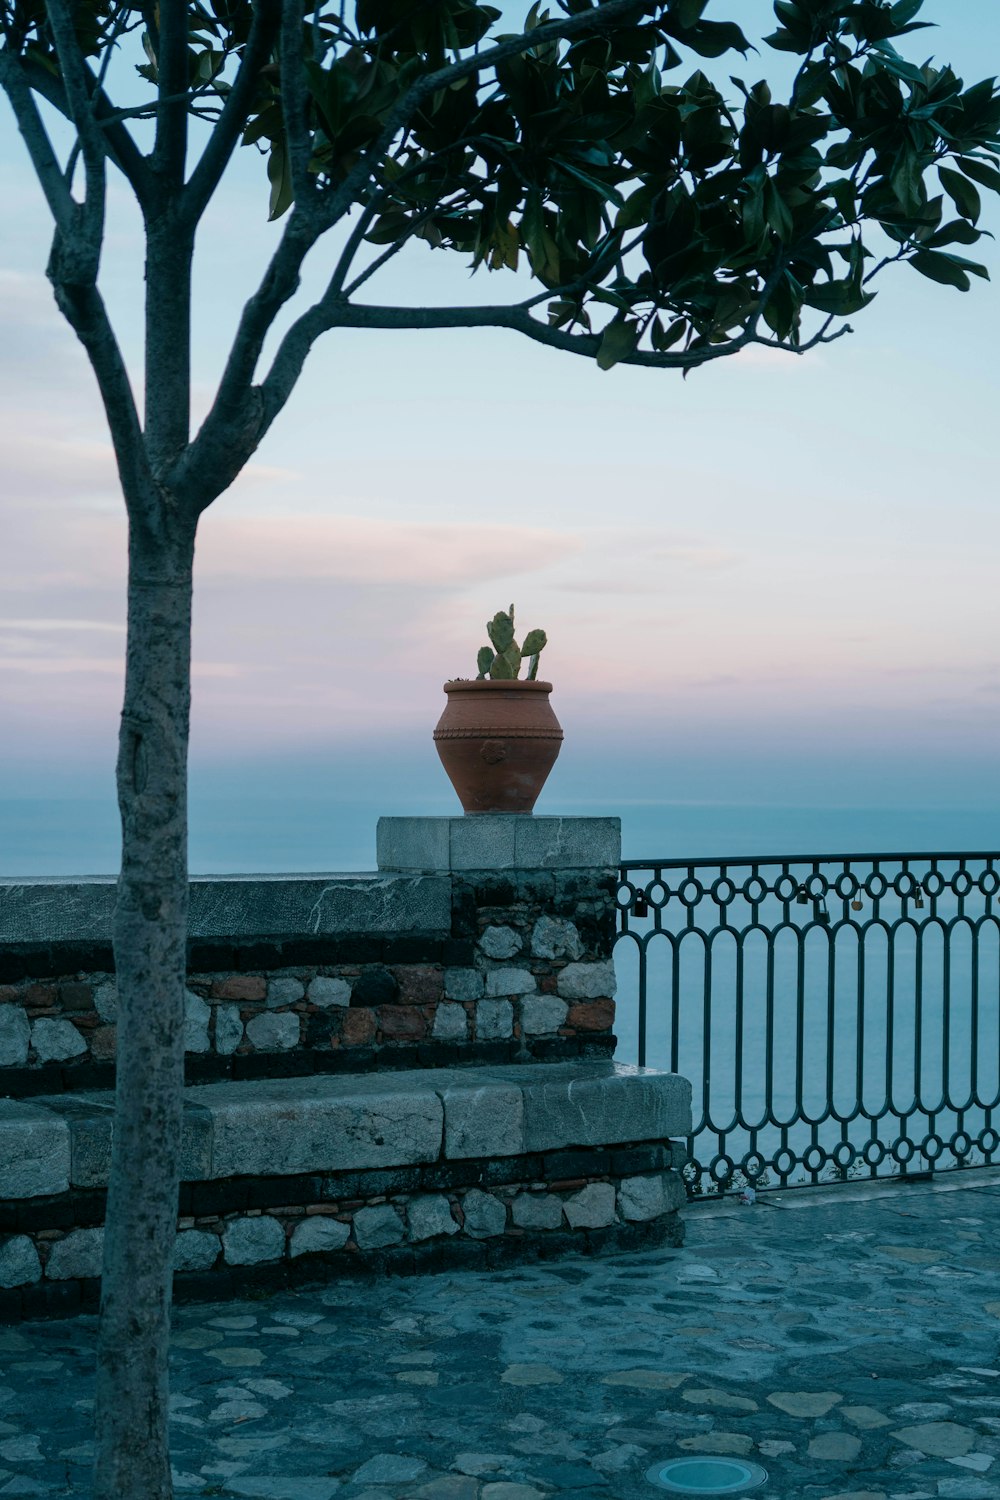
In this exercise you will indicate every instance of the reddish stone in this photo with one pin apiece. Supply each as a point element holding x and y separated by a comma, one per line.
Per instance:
<point>548,984</point>
<point>104,1043</point>
<point>401,1023</point>
<point>8,992</point>
<point>358,1028</point>
<point>592,1015</point>
<point>39,995</point>
<point>240,987</point>
<point>419,984</point>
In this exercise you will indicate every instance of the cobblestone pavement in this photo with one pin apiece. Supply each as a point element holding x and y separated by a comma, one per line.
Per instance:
<point>845,1340</point>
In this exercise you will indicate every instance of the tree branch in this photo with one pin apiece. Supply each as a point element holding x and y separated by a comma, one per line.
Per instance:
<point>14,82</point>
<point>120,148</point>
<point>295,99</point>
<point>76,254</point>
<point>170,148</point>
<point>214,159</point>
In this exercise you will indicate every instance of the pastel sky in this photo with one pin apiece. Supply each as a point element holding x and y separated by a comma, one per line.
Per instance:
<point>775,581</point>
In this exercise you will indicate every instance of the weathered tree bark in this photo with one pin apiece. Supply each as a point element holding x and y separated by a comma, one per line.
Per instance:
<point>133,1460</point>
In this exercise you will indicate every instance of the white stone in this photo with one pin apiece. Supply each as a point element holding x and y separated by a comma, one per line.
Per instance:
<point>388,1468</point>
<point>196,1250</point>
<point>494,1020</point>
<point>248,1242</point>
<point>319,1233</point>
<point>500,942</point>
<point>595,981</point>
<point>284,991</point>
<point>106,1000</point>
<point>463,984</point>
<point>641,1198</point>
<point>555,937</point>
<point>228,1029</point>
<point>15,1034</point>
<point>19,1263</point>
<point>78,1255</point>
<point>378,1226</point>
<point>429,1215</point>
<point>274,1033</point>
<point>326,992</point>
<point>542,1015</point>
<point>537,1211</point>
<point>451,1024</point>
<point>485,1216</point>
<point>56,1041</point>
<point>196,1018</point>
<point>592,1207</point>
<point>510,982</point>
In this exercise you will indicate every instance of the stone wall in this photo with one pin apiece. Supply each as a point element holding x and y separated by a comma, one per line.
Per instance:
<point>435,964</point>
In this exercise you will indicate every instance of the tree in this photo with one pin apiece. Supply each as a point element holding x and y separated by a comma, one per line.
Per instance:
<point>662,222</point>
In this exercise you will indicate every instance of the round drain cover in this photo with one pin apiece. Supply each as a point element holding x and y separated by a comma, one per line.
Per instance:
<point>708,1475</point>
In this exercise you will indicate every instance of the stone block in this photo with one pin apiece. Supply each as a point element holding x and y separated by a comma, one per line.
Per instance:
<point>556,937</point>
<point>642,1198</point>
<point>284,991</point>
<point>591,1015</point>
<point>34,1150</point>
<point>495,841</point>
<point>402,1023</point>
<point>318,1234</point>
<point>322,1124</point>
<point>592,1207</point>
<point>500,942</point>
<point>19,1263</point>
<point>510,982</point>
<point>494,1020</point>
<point>537,1211</point>
<point>89,1118</point>
<point>568,843</point>
<point>274,1031</point>
<point>228,1029</point>
<point>106,1000</point>
<point>413,843</point>
<point>463,984</point>
<point>593,981</point>
<point>250,1242</point>
<point>196,1018</point>
<point>600,1104</point>
<point>451,1023</point>
<point>430,1215</point>
<point>15,1034</point>
<point>246,987</point>
<point>329,992</point>
<point>485,1216</point>
<point>542,1015</point>
<point>378,1226</point>
<point>358,1027</point>
<point>56,1041</point>
<point>483,1121</point>
<point>196,1250</point>
<point>77,1256</point>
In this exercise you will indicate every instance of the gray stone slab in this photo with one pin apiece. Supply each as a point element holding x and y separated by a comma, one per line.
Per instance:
<point>601,1104</point>
<point>234,906</point>
<point>484,1120</point>
<point>34,1150</point>
<point>89,1118</point>
<point>498,842</point>
<point>286,1125</point>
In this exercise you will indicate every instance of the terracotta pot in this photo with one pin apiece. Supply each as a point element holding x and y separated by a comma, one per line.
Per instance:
<point>498,741</point>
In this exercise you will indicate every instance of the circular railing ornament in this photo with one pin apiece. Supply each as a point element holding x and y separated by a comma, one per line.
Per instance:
<point>706,1474</point>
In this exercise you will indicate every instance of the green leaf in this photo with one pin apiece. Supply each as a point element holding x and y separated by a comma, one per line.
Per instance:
<point>279,174</point>
<point>938,267</point>
<point>981,172</point>
<point>618,342</point>
<point>484,660</point>
<point>962,193</point>
<point>534,641</point>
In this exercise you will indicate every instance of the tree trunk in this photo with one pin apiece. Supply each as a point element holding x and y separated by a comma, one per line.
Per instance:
<point>150,937</point>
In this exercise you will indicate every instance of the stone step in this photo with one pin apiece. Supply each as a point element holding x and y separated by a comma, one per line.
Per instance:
<point>355,1170</point>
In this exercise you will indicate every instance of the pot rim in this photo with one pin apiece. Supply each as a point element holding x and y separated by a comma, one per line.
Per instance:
<point>477,684</point>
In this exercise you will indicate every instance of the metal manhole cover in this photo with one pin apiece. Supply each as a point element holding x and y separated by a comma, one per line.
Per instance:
<point>706,1476</point>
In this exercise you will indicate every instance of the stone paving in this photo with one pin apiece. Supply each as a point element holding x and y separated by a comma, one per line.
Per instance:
<point>846,1340</point>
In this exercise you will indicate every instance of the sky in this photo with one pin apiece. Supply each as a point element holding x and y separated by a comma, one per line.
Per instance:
<point>772,583</point>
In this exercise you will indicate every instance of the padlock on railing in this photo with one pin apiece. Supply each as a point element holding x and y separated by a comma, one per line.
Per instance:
<point>640,906</point>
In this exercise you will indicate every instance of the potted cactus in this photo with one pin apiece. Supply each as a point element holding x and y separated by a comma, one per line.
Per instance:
<point>498,738</point>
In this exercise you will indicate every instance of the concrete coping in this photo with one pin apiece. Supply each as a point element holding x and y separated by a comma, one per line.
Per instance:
<point>490,841</point>
<point>234,907</point>
<point>349,1122</point>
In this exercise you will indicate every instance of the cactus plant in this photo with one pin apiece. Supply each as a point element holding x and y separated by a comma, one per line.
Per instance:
<point>502,660</point>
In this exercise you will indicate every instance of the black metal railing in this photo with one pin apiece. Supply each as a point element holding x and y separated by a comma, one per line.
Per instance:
<point>838,1015</point>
